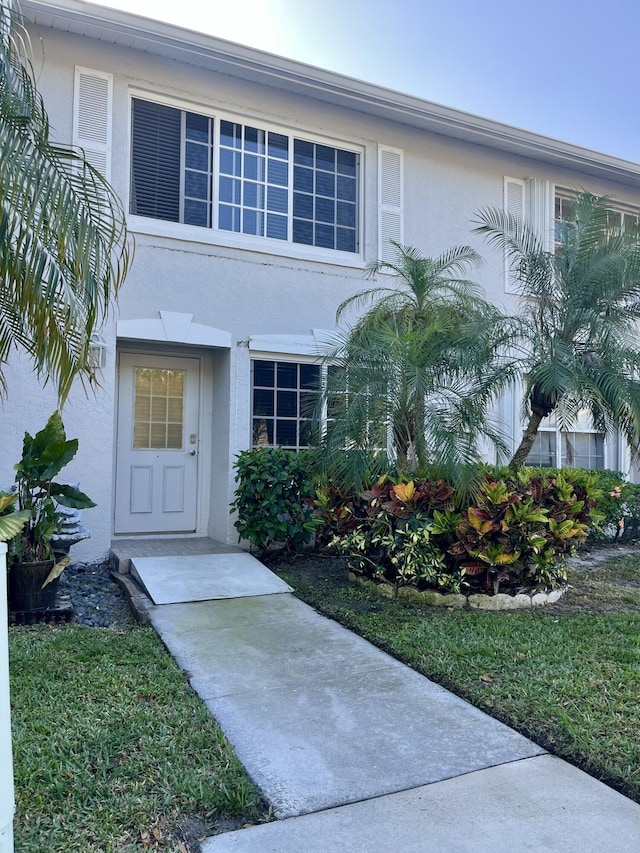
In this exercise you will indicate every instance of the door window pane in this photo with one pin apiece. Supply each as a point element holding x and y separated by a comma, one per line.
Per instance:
<point>158,409</point>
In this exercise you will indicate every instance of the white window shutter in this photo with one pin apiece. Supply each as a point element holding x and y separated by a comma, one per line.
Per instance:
<point>93,95</point>
<point>514,204</point>
<point>540,196</point>
<point>390,201</point>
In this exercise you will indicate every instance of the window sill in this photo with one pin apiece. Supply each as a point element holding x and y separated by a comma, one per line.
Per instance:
<point>209,237</point>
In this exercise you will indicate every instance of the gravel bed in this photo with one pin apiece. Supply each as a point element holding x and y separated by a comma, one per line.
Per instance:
<point>98,601</point>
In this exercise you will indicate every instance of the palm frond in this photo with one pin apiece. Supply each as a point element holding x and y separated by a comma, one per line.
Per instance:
<point>64,250</point>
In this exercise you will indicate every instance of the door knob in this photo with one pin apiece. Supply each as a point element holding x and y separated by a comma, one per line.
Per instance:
<point>192,453</point>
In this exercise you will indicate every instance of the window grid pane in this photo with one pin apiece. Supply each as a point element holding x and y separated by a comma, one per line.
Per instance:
<point>325,196</point>
<point>253,179</point>
<point>158,409</point>
<point>198,170</point>
<point>582,450</point>
<point>285,395</point>
<point>543,452</point>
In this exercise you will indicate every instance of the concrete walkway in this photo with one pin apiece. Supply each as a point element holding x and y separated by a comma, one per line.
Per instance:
<point>354,750</point>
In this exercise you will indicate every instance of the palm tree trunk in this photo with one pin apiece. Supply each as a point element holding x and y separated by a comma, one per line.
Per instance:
<point>529,436</point>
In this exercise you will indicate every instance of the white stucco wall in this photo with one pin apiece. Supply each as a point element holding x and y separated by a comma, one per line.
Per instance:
<point>270,290</point>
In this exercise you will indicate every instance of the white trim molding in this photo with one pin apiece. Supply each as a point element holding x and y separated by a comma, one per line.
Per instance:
<point>173,327</point>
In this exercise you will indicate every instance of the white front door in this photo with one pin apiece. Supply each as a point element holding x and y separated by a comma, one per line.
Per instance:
<point>157,444</point>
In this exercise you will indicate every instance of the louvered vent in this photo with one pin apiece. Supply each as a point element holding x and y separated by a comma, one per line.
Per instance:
<point>514,199</point>
<point>390,207</point>
<point>92,117</point>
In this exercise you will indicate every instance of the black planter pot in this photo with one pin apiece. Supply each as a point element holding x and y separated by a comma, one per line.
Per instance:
<point>25,587</point>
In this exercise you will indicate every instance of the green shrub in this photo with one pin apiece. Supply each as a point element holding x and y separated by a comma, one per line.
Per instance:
<point>274,499</point>
<point>520,530</point>
<point>515,534</point>
<point>398,532</point>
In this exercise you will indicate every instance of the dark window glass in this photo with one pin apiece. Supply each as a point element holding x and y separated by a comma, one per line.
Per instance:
<point>196,185</point>
<point>346,214</point>
<point>230,134</point>
<point>277,226</point>
<point>302,153</point>
<point>263,402</point>
<point>286,433</point>
<point>197,127</point>
<point>325,158</point>
<point>347,163</point>
<point>196,213</point>
<point>278,146</point>
<point>325,184</point>
<point>325,210</point>
<point>346,189</point>
<point>345,240</point>
<point>325,236</point>
<point>303,206</point>
<point>278,173</point>
<point>287,375</point>
<point>229,218</point>
<point>230,190</point>
<point>264,373</point>
<point>287,404</point>
<point>277,199</point>
<point>303,232</point>
<point>303,180</point>
<point>309,376</point>
<point>197,156</point>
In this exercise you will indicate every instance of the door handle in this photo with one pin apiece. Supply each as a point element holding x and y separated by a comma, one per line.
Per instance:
<point>192,453</point>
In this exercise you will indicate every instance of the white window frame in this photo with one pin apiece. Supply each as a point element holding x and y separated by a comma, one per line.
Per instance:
<point>560,434</point>
<point>215,236</point>
<point>564,194</point>
<point>278,358</point>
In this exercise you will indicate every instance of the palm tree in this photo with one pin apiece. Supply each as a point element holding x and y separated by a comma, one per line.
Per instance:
<point>581,304</point>
<point>63,243</point>
<point>413,376</point>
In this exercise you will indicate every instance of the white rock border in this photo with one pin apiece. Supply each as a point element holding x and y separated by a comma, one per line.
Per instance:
<point>477,601</point>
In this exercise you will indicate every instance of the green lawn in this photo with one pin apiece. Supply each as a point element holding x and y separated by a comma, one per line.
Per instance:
<point>112,749</point>
<point>567,676</point>
<point>114,752</point>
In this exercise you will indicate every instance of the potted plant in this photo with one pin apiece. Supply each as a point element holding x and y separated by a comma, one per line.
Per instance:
<point>33,572</point>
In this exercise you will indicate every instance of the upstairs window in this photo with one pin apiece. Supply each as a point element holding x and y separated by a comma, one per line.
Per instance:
<point>171,164</point>
<point>217,173</point>
<point>626,218</point>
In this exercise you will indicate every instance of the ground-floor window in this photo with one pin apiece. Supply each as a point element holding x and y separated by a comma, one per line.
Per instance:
<point>284,397</point>
<point>578,448</point>
<point>567,450</point>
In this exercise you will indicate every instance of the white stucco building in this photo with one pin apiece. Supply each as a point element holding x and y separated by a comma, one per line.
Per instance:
<point>258,189</point>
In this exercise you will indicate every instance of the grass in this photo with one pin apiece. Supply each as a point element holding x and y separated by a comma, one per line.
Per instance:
<point>112,749</point>
<point>567,676</point>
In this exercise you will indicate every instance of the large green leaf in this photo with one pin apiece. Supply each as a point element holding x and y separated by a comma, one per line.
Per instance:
<point>70,496</point>
<point>11,525</point>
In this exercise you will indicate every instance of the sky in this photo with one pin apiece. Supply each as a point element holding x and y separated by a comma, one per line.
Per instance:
<point>566,69</point>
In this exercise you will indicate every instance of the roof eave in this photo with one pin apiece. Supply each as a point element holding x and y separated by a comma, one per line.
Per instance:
<point>220,56</point>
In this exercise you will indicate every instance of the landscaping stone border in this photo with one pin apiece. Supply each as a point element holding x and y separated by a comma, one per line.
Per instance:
<point>477,601</point>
